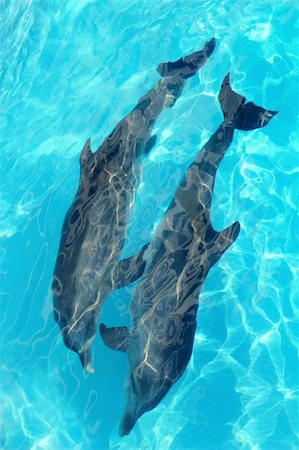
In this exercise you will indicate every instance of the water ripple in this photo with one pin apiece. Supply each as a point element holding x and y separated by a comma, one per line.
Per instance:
<point>71,70</point>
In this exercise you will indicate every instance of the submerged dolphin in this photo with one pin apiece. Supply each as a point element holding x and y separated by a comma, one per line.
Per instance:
<point>185,247</point>
<point>93,232</point>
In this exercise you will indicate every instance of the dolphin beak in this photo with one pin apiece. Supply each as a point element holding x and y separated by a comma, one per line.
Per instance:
<point>128,421</point>
<point>85,359</point>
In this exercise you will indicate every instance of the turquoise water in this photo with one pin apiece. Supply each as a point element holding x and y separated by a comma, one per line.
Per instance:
<point>71,70</point>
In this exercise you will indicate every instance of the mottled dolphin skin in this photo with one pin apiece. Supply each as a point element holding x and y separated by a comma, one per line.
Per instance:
<point>93,233</point>
<point>184,248</point>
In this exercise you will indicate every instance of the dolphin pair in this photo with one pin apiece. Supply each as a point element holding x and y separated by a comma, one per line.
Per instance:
<point>184,248</point>
<point>93,233</point>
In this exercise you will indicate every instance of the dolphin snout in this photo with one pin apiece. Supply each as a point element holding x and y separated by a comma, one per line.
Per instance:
<point>72,341</point>
<point>85,359</point>
<point>128,421</point>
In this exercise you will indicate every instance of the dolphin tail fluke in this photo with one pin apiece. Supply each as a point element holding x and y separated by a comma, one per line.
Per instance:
<point>243,116</point>
<point>115,337</point>
<point>188,66</point>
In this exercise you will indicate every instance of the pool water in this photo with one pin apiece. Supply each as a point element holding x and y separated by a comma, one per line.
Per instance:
<point>71,70</point>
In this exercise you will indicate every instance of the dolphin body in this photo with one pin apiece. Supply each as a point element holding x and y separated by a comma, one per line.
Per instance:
<point>93,233</point>
<point>184,248</point>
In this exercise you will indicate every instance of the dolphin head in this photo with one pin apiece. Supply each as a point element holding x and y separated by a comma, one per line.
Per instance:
<point>146,388</point>
<point>157,360</point>
<point>78,337</point>
<point>76,313</point>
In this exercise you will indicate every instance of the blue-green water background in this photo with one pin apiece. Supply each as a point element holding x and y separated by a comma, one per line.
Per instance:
<point>70,70</point>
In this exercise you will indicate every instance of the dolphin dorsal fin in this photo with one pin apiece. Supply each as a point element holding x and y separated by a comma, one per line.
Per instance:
<point>221,241</point>
<point>115,337</point>
<point>85,153</point>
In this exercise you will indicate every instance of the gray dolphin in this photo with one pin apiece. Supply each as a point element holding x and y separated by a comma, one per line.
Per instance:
<point>184,248</point>
<point>93,233</point>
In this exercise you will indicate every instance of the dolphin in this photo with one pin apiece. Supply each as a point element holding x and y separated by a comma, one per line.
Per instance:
<point>184,248</point>
<point>87,267</point>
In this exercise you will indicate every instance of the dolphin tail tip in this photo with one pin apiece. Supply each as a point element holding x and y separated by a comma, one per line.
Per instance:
<point>188,66</point>
<point>210,46</point>
<point>243,116</point>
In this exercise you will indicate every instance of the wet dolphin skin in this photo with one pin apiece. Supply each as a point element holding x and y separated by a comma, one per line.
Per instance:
<point>184,248</point>
<point>93,233</point>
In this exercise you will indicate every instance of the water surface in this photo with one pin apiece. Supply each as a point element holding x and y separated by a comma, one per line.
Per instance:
<point>71,70</point>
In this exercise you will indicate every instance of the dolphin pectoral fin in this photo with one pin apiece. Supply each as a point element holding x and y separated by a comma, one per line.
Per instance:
<point>150,144</point>
<point>222,241</point>
<point>115,337</point>
<point>85,153</point>
<point>130,269</point>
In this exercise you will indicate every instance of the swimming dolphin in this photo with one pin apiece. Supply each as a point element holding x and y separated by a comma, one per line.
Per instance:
<point>93,233</point>
<point>184,248</point>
